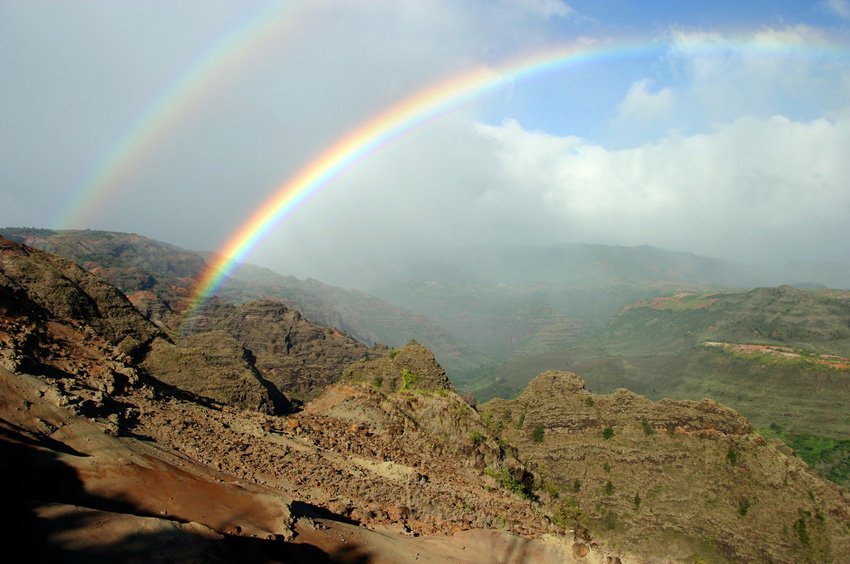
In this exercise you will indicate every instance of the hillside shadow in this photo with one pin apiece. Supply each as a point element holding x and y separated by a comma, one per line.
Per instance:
<point>304,509</point>
<point>50,517</point>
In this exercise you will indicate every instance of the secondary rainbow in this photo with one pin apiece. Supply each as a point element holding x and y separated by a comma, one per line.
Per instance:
<point>415,111</point>
<point>176,100</point>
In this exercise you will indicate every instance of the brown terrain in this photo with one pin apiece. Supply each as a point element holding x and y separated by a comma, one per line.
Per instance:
<point>103,460</point>
<point>680,480</point>
<point>124,440</point>
<point>788,353</point>
<point>298,357</point>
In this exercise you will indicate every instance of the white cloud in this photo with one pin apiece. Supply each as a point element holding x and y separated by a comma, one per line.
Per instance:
<point>752,189</point>
<point>643,106</point>
<point>717,78</point>
<point>840,8</point>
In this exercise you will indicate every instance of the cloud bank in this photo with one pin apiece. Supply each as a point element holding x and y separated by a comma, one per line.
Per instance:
<point>722,143</point>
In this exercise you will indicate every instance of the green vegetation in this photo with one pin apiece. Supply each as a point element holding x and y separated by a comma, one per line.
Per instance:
<point>637,501</point>
<point>476,438</point>
<point>588,401</point>
<point>732,456</point>
<point>743,506</point>
<point>609,488</point>
<point>606,467</point>
<point>608,432</point>
<point>408,379</point>
<point>378,381</point>
<point>568,515</point>
<point>800,527</point>
<point>830,457</point>
<point>538,433</point>
<point>507,480</point>
<point>647,428</point>
<point>577,486</point>
<point>609,520</point>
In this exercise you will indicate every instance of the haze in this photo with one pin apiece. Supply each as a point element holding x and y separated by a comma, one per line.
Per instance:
<point>728,138</point>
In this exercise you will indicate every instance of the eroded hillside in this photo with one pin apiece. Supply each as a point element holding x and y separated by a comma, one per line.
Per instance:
<point>689,480</point>
<point>106,461</point>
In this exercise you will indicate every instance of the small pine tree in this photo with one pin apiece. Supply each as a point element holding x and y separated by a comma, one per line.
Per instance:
<point>607,433</point>
<point>637,501</point>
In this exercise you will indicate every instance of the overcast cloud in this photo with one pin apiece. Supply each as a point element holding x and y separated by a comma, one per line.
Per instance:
<point>728,140</point>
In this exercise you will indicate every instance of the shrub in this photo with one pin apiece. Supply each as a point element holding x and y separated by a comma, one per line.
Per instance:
<point>408,379</point>
<point>378,381</point>
<point>609,520</point>
<point>637,501</point>
<point>588,401</point>
<point>609,488</point>
<point>743,506</point>
<point>538,433</point>
<point>800,527</point>
<point>731,456</point>
<point>607,433</point>
<point>506,479</point>
<point>568,515</point>
<point>577,486</point>
<point>476,438</point>
<point>647,428</point>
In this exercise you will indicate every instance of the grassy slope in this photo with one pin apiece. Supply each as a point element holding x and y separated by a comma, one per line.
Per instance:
<point>655,348</point>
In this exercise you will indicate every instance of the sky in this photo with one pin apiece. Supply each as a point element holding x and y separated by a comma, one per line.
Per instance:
<point>720,128</point>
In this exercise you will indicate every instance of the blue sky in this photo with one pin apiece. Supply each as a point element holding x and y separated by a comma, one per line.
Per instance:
<point>726,138</point>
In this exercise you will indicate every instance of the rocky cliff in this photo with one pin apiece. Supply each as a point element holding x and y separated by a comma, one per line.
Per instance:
<point>100,461</point>
<point>670,479</point>
<point>61,320</point>
<point>298,357</point>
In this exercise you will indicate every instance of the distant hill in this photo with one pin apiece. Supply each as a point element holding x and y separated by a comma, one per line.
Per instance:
<point>779,355</point>
<point>158,277</point>
<point>512,302</point>
<point>815,319</point>
<point>357,313</point>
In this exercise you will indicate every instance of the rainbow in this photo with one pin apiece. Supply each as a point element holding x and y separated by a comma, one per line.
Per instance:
<point>405,115</point>
<point>400,118</point>
<point>177,99</point>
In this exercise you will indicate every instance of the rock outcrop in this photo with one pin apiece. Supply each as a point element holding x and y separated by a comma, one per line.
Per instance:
<point>298,357</point>
<point>409,368</point>
<point>214,365</point>
<point>58,319</point>
<point>688,476</point>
